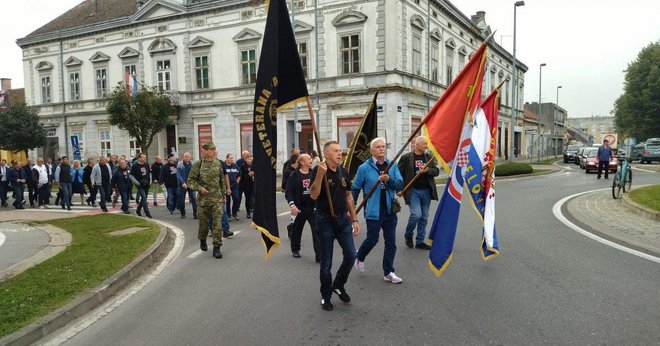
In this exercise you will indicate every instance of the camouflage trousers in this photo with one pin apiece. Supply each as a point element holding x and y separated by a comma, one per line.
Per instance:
<point>203,214</point>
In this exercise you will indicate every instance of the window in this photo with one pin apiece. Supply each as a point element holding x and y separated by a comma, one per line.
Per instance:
<point>435,55</point>
<point>130,69</point>
<point>347,128</point>
<point>350,54</point>
<point>45,89</point>
<point>164,74</point>
<point>202,72</point>
<point>492,80</point>
<point>133,148</point>
<point>104,141</point>
<point>302,52</point>
<point>417,52</point>
<point>461,60</point>
<point>249,66</point>
<point>74,86</point>
<point>246,137</point>
<point>450,65</point>
<point>101,82</point>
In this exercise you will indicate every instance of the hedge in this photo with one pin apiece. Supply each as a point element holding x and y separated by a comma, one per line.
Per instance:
<point>513,168</point>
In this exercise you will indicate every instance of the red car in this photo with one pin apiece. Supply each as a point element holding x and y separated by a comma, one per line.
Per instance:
<point>591,163</point>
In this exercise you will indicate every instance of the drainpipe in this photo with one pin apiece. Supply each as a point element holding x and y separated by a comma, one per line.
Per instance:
<point>62,89</point>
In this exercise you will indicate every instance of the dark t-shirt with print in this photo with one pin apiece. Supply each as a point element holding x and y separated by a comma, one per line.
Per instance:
<point>338,189</point>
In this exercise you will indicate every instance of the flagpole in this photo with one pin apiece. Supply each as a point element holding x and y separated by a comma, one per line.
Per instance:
<point>312,119</point>
<point>414,179</point>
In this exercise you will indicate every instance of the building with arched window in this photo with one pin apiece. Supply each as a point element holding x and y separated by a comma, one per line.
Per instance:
<point>205,54</point>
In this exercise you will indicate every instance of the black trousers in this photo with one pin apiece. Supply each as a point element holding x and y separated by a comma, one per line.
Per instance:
<point>32,193</point>
<point>43,194</point>
<point>247,191</point>
<point>92,193</point>
<point>306,214</point>
<point>603,165</point>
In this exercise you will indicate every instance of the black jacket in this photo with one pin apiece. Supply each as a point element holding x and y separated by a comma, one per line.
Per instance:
<point>121,179</point>
<point>298,189</point>
<point>87,175</point>
<point>156,169</point>
<point>407,168</point>
<point>168,175</point>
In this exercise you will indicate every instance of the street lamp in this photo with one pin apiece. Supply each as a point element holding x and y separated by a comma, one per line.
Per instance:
<point>538,124</point>
<point>554,134</point>
<point>514,106</point>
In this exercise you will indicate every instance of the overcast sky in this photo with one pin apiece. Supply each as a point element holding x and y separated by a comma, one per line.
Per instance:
<point>586,44</point>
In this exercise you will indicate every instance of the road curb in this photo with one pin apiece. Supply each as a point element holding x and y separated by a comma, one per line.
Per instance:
<point>59,240</point>
<point>640,209</point>
<point>98,295</point>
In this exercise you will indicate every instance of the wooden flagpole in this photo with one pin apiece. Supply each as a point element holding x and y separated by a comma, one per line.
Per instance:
<point>414,179</point>
<point>312,118</point>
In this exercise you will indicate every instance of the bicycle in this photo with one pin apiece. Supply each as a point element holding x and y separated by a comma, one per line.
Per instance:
<point>623,178</point>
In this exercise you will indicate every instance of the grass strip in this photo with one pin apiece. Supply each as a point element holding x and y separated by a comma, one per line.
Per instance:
<point>92,257</point>
<point>648,196</point>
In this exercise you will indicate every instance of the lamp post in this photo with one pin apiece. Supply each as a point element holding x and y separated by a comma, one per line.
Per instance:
<point>554,134</point>
<point>514,105</point>
<point>538,124</point>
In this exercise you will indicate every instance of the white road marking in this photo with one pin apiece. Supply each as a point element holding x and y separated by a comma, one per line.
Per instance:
<point>194,254</point>
<point>644,170</point>
<point>2,238</point>
<point>126,294</point>
<point>556,209</point>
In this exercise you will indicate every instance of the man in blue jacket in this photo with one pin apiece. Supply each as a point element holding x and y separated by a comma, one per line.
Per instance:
<point>604,157</point>
<point>182,171</point>
<point>378,210</point>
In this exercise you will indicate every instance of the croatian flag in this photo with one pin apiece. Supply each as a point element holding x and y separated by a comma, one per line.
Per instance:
<point>443,230</point>
<point>480,174</point>
<point>131,84</point>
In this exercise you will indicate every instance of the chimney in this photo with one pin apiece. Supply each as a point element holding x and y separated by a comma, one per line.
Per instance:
<point>478,18</point>
<point>5,84</point>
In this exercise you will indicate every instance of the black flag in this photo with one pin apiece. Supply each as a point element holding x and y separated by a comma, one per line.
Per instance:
<point>280,83</point>
<point>359,152</point>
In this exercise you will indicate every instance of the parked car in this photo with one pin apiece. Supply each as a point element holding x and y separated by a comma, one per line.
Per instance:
<point>591,162</point>
<point>570,151</point>
<point>578,157</point>
<point>646,152</point>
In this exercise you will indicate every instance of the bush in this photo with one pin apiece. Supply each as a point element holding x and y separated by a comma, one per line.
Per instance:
<point>513,168</point>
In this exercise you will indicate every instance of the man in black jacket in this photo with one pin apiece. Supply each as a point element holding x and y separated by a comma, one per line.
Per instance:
<point>87,180</point>
<point>246,185</point>
<point>290,165</point>
<point>31,184</point>
<point>302,205</point>
<point>419,196</point>
<point>141,177</point>
<point>156,168</point>
<point>168,178</point>
<point>121,182</point>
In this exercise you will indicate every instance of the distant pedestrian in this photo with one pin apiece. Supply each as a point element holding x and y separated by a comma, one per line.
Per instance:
<point>30,184</point>
<point>603,158</point>
<point>233,193</point>
<point>41,175</point>
<point>77,186</point>
<point>156,168</point>
<point>247,186</point>
<point>302,206</point>
<point>63,177</point>
<point>183,171</point>
<point>121,181</point>
<point>378,209</point>
<point>289,166</point>
<point>419,196</point>
<point>4,183</point>
<point>207,178</point>
<point>341,226</point>
<point>101,180</point>
<point>244,169</point>
<point>17,178</point>
<point>169,180</point>
<point>87,180</point>
<point>141,178</point>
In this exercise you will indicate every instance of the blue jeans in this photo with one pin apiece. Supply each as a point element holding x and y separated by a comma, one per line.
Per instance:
<point>172,199</point>
<point>143,192</point>
<point>18,192</point>
<point>182,200</point>
<point>386,222</point>
<point>124,199</point>
<point>66,194</point>
<point>233,201</point>
<point>420,200</point>
<point>330,229</point>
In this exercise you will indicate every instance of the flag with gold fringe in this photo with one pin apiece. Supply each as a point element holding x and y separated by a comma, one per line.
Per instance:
<point>358,152</point>
<point>280,83</point>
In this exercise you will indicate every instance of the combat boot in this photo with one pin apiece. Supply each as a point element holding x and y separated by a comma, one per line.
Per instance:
<point>216,251</point>
<point>202,245</point>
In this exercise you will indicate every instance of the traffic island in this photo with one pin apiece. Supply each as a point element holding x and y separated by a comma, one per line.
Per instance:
<point>644,201</point>
<point>94,267</point>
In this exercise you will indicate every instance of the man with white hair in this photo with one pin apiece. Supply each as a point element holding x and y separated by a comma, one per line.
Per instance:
<point>182,171</point>
<point>378,210</point>
<point>419,196</point>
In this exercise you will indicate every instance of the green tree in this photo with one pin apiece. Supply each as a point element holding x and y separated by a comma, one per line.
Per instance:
<point>20,129</point>
<point>143,116</point>
<point>637,111</point>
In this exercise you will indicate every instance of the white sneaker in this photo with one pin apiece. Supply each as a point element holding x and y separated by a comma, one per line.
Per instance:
<point>391,277</point>
<point>359,266</point>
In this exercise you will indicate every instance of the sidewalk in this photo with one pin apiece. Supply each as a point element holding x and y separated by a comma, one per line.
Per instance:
<point>613,219</point>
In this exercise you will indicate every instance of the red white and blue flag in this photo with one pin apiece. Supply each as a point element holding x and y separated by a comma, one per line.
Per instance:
<point>131,84</point>
<point>480,174</point>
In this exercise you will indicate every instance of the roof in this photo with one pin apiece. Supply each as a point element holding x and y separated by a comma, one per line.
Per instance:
<point>89,12</point>
<point>530,115</point>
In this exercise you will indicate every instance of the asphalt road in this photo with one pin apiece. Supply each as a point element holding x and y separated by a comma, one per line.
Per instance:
<point>18,242</point>
<point>549,285</point>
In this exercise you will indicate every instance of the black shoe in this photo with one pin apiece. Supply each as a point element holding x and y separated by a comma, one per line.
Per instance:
<point>183,216</point>
<point>606,178</point>
<point>216,252</point>
<point>597,177</point>
<point>295,254</point>
<point>227,234</point>
<point>343,296</point>
<point>138,212</point>
<point>105,210</point>
<point>63,207</point>
<point>88,202</point>
<point>149,216</point>
<point>155,204</point>
<point>203,246</point>
<point>126,212</point>
<point>326,305</point>
<point>423,246</point>
<point>195,216</point>
<point>68,208</point>
<point>248,215</point>
<point>409,242</point>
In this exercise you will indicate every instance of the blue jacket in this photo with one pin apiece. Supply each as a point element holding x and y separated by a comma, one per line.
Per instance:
<point>182,172</point>
<point>604,154</point>
<point>366,177</point>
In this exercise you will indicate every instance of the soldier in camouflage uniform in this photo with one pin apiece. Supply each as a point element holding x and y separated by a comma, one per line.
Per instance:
<point>206,177</point>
